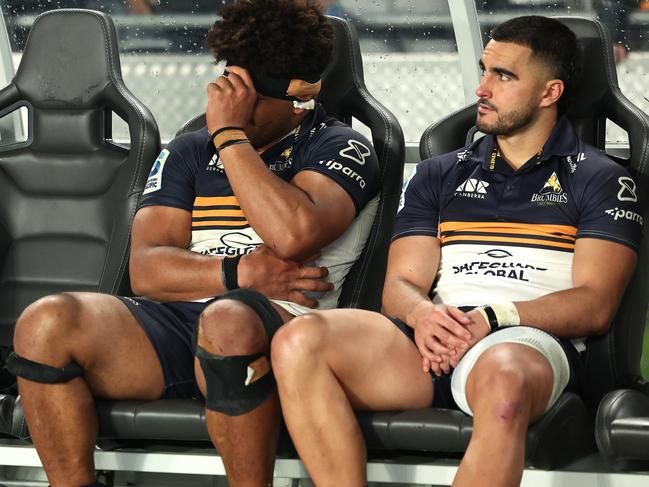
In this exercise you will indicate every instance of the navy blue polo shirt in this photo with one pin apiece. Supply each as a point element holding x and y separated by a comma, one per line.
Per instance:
<point>510,235</point>
<point>189,175</point>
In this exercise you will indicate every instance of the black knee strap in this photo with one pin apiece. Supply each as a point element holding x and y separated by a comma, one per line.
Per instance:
<point>30,370</point>
<point>235,384</point>
<point>238,384</point>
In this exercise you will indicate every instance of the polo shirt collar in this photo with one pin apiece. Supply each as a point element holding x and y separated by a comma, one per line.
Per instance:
<point>563,142</point>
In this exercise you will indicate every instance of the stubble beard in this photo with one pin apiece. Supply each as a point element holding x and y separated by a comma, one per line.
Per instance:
<point>507,123</point>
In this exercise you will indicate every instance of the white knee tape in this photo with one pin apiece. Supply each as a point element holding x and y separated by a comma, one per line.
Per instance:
<point>539,340</point>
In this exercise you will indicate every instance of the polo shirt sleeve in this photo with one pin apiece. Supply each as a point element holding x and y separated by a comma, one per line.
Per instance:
<point>418,211</point>
<point>609,208</point>
<point>344,155</point>
<point>170,182</point>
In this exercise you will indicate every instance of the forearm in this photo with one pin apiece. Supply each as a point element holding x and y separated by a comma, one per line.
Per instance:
<point>400,298</point>
<point>173,274</point>
<point>281,213</point>
<point>570,313</point>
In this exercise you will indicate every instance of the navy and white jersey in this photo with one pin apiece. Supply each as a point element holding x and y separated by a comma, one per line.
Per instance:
<point>510,235</point>
<point>189,175</point>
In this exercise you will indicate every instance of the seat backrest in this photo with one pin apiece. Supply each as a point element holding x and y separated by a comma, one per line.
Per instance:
<point>68,193</point>
<point>345,96</point>
<point>613,359</point>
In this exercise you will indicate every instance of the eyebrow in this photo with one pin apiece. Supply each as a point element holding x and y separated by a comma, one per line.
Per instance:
<point>498,70</point>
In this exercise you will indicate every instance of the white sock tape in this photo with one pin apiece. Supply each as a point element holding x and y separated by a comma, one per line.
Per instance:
<point>535,338</point>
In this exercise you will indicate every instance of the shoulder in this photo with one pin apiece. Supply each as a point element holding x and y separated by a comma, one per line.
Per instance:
<point>190,144</point>
<point>592,165</point>
<point>337,134</point>
<point>443,164</point>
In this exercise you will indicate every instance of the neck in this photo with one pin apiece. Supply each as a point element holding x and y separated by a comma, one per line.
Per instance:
<point>518,148</point>
<point>298,121</point>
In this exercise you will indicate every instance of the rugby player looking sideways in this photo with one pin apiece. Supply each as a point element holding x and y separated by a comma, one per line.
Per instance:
<point>494,278</point>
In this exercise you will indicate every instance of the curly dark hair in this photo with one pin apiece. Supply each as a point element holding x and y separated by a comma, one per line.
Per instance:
<point>282,38</point>
<point>551,42</point>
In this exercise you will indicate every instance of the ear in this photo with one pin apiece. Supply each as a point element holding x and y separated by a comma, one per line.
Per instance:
<point>552,92</point>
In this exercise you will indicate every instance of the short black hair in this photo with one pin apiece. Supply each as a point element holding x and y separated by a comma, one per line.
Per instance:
<point>552,43</point>
<point>282,38</point>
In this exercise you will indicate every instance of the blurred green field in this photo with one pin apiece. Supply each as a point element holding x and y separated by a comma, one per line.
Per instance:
<point>644,363</point>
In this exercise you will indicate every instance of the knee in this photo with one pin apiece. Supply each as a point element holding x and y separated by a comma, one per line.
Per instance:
<point>46,323</point>
<point>298,343</point>
<point>229,327</point>
<point>500,390</point>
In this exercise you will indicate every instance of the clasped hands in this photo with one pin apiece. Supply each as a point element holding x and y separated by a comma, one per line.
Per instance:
<point>443,334</point>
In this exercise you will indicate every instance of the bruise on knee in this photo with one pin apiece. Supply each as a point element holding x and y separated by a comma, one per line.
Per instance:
<point>508,411</point>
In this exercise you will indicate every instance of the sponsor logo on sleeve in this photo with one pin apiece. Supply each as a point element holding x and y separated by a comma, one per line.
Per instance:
<point>154,182</point>
<point>622,214</point>
<point>356,151</point>
<point>346,170</point>
<point>627,189</point>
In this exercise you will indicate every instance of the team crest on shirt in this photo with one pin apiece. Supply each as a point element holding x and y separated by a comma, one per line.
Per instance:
<point>551,192</point>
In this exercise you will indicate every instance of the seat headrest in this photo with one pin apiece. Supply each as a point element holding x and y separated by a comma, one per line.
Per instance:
<point>344,74</point>
<point>598,72</point>
<point>69,58</point>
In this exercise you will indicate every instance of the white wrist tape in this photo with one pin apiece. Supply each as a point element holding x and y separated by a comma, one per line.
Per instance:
<point>506,314</point>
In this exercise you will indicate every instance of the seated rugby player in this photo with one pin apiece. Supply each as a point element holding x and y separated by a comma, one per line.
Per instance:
<point>494,279</point>
<point>273,201</point>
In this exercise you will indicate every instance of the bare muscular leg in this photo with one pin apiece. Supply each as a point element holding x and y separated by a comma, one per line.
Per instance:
<point>246,443</point>
<point>328,364</point>
<point>100,334</point>
<point>509,387</point>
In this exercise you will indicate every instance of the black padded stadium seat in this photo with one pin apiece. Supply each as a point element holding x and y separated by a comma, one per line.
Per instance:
<point>622,429</point>
<point>344,96</point>
<point>68,193</point>
<point>612,360</point>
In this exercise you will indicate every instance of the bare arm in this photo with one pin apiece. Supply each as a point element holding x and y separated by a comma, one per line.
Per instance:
<point>412,266</point>
<point>601,271</point>
<point>162,267</point>
<point>439,330</point>
<point>295,219</point>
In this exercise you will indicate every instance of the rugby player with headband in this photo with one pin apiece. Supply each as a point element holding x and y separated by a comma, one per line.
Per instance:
<point>494,278</point>
<point>243,224</point>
